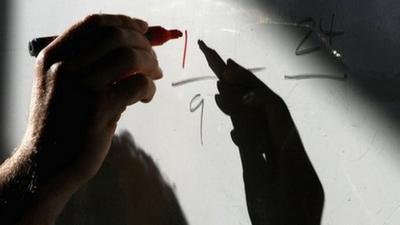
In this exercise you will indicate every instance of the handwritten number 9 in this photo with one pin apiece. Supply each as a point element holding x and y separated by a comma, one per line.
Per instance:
<point>194,107</point>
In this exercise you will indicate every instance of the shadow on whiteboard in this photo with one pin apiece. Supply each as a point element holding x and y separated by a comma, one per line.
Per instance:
<point>280,182</point>
<point>128,189</point>
<point>366,35</point>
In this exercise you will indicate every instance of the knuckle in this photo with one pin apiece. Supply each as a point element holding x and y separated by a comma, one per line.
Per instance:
<point>156,64</point>
<point>147,89</point>
<point>150,56</point>
<point>43,57</point>
<point>114,33</point>
<point>152,92</point>
<point>144,82</point>
<point>153,53</point>
<point>93,19</point>
<point>55,70</point>
<point>150,84</point>
<point>58,70</point>
<point>130,55</point>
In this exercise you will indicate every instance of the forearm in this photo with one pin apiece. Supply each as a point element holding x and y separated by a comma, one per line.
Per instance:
<point>24,200</point>
<point>17,186</point>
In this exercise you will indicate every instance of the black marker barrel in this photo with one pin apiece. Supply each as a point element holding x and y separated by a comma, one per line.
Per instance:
<point>157,35</point>
<point>37,44</point>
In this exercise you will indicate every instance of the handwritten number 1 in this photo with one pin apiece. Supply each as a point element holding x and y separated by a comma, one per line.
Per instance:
<point>193,108</point>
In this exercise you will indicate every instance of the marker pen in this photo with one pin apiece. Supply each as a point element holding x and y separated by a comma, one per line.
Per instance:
<point>157,35</point>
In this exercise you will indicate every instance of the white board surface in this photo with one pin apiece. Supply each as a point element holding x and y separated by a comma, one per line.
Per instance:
<point>351,142</point>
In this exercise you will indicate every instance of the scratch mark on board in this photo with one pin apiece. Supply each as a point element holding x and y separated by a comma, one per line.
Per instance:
<point>292,90</point>
<point>230,31</point>
<point>357,194</point>
<point>391,214</point>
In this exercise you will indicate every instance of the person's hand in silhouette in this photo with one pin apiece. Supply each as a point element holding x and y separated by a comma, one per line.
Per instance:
<point>280,183</point>
<point>242,95</point>
<point>84,80</point>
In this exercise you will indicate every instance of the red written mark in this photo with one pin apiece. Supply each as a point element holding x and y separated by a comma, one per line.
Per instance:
<point>184,50</point>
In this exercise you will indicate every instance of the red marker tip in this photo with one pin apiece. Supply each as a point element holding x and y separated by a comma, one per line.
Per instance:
<point>175,33</point>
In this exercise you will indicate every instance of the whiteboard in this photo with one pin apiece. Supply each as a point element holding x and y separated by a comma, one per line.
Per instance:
<point>347,131</point>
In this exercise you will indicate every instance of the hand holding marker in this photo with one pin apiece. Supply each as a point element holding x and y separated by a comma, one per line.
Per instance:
<point>157,35</point>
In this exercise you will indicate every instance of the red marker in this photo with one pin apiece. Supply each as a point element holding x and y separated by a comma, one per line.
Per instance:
<point>157,35</point>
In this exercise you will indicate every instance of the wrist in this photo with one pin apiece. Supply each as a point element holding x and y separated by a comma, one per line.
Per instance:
<point>42,199</point>
<point>25,200</point>
<point>50,189</point>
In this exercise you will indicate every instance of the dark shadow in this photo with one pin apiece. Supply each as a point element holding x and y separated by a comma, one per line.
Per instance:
<point>281,185</point>
<point>4,17</point>
<point>369,44</point>
<point>369,39</point>
<point>128,189</point>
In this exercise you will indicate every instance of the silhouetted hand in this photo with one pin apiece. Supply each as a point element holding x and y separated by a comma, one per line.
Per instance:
<point>84,80</point>
<point>263,114</point>
<point>281,185</point>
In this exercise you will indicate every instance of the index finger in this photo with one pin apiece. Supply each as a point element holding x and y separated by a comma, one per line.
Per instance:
<point>215,61</point>
<point>61,47</point>
<point>103,20</point>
